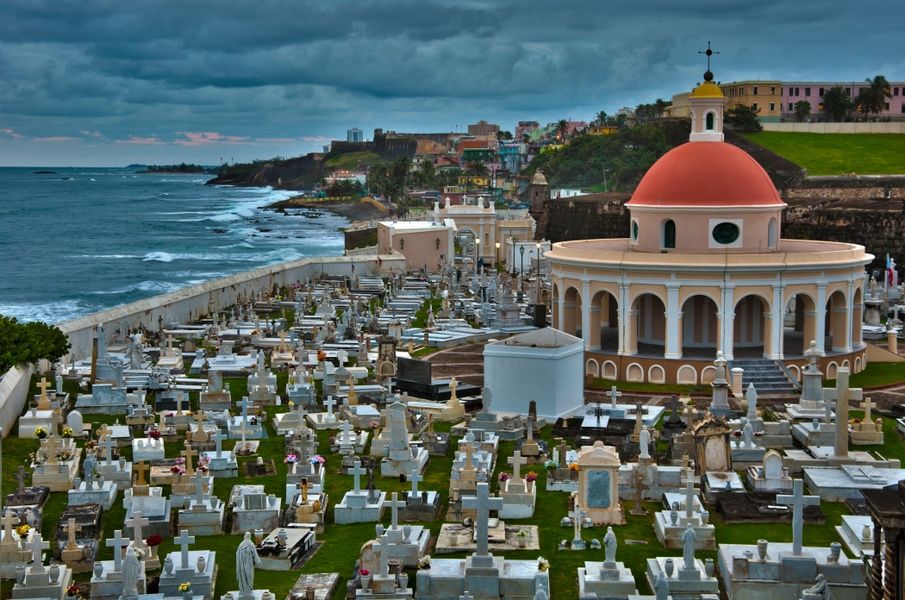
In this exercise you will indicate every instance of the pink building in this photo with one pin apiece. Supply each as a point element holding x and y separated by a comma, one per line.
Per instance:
<point>812,91</point>
<point>425,244</point>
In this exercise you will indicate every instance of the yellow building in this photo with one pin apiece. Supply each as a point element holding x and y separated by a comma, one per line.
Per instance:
<point>680,107</point>
<point>763,95</point>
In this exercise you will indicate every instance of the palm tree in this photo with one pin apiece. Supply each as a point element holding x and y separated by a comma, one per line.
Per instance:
<point>872,99</point>
<point>601,118</point>
<point>562,128</point>
<point>597,412</point>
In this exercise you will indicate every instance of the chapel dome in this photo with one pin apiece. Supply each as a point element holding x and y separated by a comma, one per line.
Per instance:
<point>706,174</point>
<point>538,179</point>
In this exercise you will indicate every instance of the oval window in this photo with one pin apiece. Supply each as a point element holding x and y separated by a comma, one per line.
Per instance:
<point>725,233</point>
<point>634,230</point>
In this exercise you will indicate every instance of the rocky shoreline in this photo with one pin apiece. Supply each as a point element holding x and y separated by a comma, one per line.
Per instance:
<point>353,209</point>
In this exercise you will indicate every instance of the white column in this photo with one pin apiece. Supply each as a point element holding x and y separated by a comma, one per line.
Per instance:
<point>727,321</point>
<point>673,319</point>
<point>586,314</point>
<point>561,306</point>
<point>849,313</point>
<point>623,318</point>
<point>819,318</point>
<point>776,321</point>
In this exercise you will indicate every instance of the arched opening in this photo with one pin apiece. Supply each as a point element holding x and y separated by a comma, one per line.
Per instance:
<point>649,326</point>
<point>700,327</point>
<point>837,326</point>
<point>751,328</point>
<point>604,322</point>
<point>771,234</point>
<point>708,121</point>
<point>571,312</point>
<point>669,234</point>
<point>799,325</point>
<point>857,318</point>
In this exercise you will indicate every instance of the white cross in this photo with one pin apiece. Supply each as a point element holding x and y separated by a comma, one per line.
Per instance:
<point>199,487</point>
<point>415,478</point>
<point>38,546</point>
<point>346,427</point>
<point>866,406</point>
<point>136,523</point>
<point>517,461</point>
<point>184,540</point>
<point>8,520</point>
<point>395,505</point>
<point>357,472</point>
<point>218,441</point>
<point>71,529</point>
<point>577,515</point>
<point>483,504</point>
<point>117,542</point>
<point>108,446</point>
<point>797,501</point>
<point>330,403</point>
<point>614,395</point>
<point>382,545</point>
<point>689,494</point>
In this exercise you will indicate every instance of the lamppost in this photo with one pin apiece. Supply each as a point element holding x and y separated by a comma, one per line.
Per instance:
<point>605,171</point>
<point>521,271</point>
<point>537,248</point>
<point>497,245</point>
<point>477,254</point>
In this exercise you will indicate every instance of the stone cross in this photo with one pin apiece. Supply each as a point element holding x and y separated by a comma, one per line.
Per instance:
<point>244,411</point>
<point>466,596</point>
<point>638,476</point>
<point>38,546</point>
<point>50,449</point>
<point>71,528</point>
<point>639,421</point>
<point>188,453</point>
<point>865,406</point>
<point>797,501</point>
<point>517,461</point>
<point>345,438</point>
<point>689,495</point>
<point>357,472</point>
<point>329,403</point>
<point>179,403</point>
<point>117,542</point>
<point>842,394</point>
<point>8,520</point>
<point>751,397</point>
<point>141,468</point>
<point>107,442</point>
<point>199,425</point>
<point>394,505</point>
<point>382,546</point>
<point>483,504</point>
<point>218,442</point>
<point>577,515</point>
<point>415,477</point>
<point>614,396</point>
<point>199,487</point>
<point>184,540</point>
<point>43,385</point>
<point>468,466</point>
<point>137,523</point>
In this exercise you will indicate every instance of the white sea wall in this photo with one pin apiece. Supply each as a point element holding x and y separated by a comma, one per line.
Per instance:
<point>14,388</point>
<point>201,300</point>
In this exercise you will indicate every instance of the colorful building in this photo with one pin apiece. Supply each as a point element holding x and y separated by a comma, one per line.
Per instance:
<point>765,96</point>
<point>813,91</point>
<point>425,244</point>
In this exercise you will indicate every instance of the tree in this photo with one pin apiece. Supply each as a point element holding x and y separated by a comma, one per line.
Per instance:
<point>600,119</point>
<point>22,343</point>
<point>872,99</point>
<point>476,168</point>
<point>562,128</point>
<point>503,136</point>
<point>836,103</point>
<point>743,119</point>
<point>802,110</point>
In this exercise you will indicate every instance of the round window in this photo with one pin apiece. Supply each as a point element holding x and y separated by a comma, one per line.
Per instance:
<point>725,233</point>
<point>634,230</point>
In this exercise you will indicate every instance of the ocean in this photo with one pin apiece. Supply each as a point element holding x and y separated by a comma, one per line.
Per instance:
<point>80,240</point>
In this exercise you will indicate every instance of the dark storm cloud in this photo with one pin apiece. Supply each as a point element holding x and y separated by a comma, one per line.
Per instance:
<point>280,76</point>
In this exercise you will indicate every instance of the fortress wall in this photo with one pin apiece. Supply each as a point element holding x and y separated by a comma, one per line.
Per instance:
<point>201,300</point>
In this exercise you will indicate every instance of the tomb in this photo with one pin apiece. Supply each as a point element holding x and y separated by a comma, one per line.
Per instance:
<point>688,577</point>
<point>406,543</point>
<point>287,548</point>
<point>214,396</point>
<point>221,463</point>
<point>518,493</point>
<point>770,475</point>
<point>253,509</point>
<point>598,484</point>
<point>148,449</point>
<point>107,399</point>
<point>711,442</point>
<point>670,525</point>
<point>811,404</point>
<point>195,567</point>
<point>244,427</point>
<point>608,579</point>
<point>203,513</point>
<point>837,484</point>
<point>857,533</point>
<point>38,580</point>
<point>94,489</point>
<point>306,506</point>
<point>866,431</point>
<point>402,457</point>
<point>420,505</point>
<point>357,505</point>
<point>55,464</point>
<point>111,578</point>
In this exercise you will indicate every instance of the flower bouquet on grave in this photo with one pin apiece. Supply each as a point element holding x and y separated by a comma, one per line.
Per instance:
<point>64,454</point>
<point>22,530</point>
<point>543,564</point>
<point>152,542</point>
<point>154,433</point>
<point>365,577</point>
<point>573,470</point>
<point>317,461</point>
<point>204,464</point>
<point>177,470</point>
<point>36,459</point>
<point>504,477</point>
<point>550,464</point>
<point>67,432</point>
<point>424,562</point>
<point>72,591</point>
<point>531,477</point>
<point>291,458</point>
<point>40,433</point>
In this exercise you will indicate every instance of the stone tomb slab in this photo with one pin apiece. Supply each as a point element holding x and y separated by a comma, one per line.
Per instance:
<point>300,546</point>
<point>264,468</point>
<point>322,584</point>
<point>857,533</point>
<point>720,482</point>
<point>30,496</point>
<point>455,537</point>
<point>761,507</point>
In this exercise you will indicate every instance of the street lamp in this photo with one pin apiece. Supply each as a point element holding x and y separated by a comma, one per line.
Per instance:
<point>521,271</point>
<point>605,171</point>
<point>477,254</point>
<point>497,246</point>
<point>537,248</point>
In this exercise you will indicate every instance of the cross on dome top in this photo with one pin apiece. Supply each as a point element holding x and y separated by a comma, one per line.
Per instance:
<point>709,52</point>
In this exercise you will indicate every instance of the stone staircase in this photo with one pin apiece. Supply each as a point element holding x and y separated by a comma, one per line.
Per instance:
<point>767,376</point>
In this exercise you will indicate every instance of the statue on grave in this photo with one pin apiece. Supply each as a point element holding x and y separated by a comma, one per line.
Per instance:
<point>818,591</point>
<point>688,541</point>
<point>131,570</point>
<point>89,467</point>
<point>609,544</point>
<point>246,560</point>
<point>644,443</point>
<point>661,588</point>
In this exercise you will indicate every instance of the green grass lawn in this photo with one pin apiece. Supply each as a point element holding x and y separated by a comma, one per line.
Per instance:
<point>342,543</point>
<point>352,160</point>
<point>838,153</point>
<point>876,375</point>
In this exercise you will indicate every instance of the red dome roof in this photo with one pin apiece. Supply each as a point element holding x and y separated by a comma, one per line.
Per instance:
<point>706,174</point>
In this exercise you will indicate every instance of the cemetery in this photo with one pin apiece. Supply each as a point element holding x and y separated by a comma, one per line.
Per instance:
<point>279,479</point>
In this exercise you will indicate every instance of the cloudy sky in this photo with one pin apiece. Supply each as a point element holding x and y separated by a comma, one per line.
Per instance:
<point>113,82</point>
